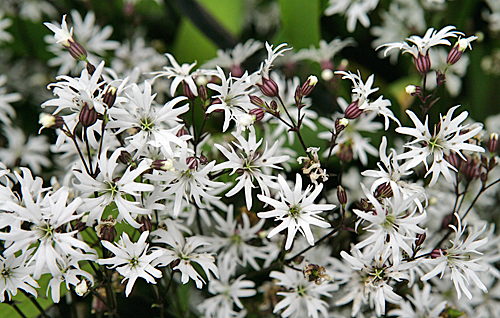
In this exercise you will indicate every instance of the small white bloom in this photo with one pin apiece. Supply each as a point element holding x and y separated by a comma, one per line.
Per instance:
<point>296,210</point>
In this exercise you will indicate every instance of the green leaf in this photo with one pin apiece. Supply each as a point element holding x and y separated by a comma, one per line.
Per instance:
<point>300,22</point>
<point>192,45</point>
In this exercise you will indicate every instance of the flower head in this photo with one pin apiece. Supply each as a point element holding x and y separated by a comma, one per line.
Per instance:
<point>296,210</point>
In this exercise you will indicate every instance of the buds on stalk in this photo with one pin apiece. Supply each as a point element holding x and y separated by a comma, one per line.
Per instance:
<point>51,121</point>
<point>76,50</point>
<point>341,195</point>
<point>309,85</point>
<point>109,96</point>
<point>258,113</point>
<point>493,143</point>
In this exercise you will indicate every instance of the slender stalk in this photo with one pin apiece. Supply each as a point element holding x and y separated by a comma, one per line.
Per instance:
<point>13,305</point>
<point>72,136</point>
<point>37,305</point>
<point>295,127</point>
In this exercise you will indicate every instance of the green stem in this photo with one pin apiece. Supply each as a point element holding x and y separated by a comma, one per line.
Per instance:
<point>37,305</point>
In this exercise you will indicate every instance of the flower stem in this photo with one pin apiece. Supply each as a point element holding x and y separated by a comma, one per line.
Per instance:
<point>37,305</point>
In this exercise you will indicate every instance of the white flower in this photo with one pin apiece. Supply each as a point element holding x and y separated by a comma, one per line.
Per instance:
<point>451,136</point>
<point>376,273</point>
<point>459,258</point>
<point>234,244</point>
<point>326,51</point>
<point>233,97</point>
<point>301,294</point>
<point>354,10</point>
<point>61,35</point>
<point>110,189</point>
<point>91,37</point>
<point>132,260</point>
<point>352,136</point>
<point>232,58</point>
<point>361,92</point>
<point>187,181</point>
<point>391,172</point>
<point>296,210</point>
<point>154,125</point>
<point>4,24</point>
<point>182,249</point>
<point>14,275</point>
<point>21,152</point>
<point>180,74</point>
<point>422,302</point>
<point>48,216</point>
<point>6,109</point>
<point>249,163</point>
<point>421,45</point>
<point>392,225</point>
<point>227,292</point>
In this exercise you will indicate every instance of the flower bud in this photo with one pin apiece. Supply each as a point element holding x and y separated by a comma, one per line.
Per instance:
<point>384,191</point>
<point>236,71</point>
<point>345,152</point>
<point>186,90</point>
<point>327,74</point>
<point>258,113</point>
<point>90,68</point>
<point>341,195</point>
<point>76,50</point>
<point>423,63</point>
<point>269,87</point>
<point>88,116</point>
<point>163,165</point>
<point>109,96</point>
<point>454,55</point>
<point>182,132</point>
<point>174,264</point>
<point>51,121</point>
<point>273,105</point>
<point>257,101</point>
<point>420,239</point>
<point>81,288</point>
<point>146,224</point>
<point>438,252</point>
<point>203,93</point>
<point>352,111</point>
<point>203,159</point>
<point>493,143</point>
<point>309,85</point>
<point>192,162</point>
<point>125,157</point>
<point>340,125</point>
<point>413,90</point>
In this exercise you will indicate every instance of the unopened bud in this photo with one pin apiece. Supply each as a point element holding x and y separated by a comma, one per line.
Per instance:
<point>454,55</point>
<point>203,93</point>
<point>125,157</point>
<point>236,71</point>
<point>269,87</point>
<point>273,105</point>
<point>258,113</point>
<point>352,111</point>
<point>423,63</point>
<point>493,143</point>
<point>90,68</point>
<point>164,165</point>
<point>341,124</point>
<point>203,159</point>
<point>438,252</point>
<point>384,191</point>
<point>51,121</point>
<point>88,116</point>
<point>327,74</point>
<point>76,50</point>
<point>341,195</point>
<point>192,162</point>
<point>174,264</point>
<point>420,239</point>
<point>109,96</point>
<point>345,152</point>
<point>454,160</point>
<point>484,177</point>
<point>81,288</point>
<point>257,101</point>
<point>309,85</point>
<point>186,90</point>
<point>413,90</point>
<point>440,78</point>
<point>182,132</point>
<point>146,225</point>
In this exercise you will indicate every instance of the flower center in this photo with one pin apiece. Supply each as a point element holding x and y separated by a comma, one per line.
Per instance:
<point>294,211</point>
